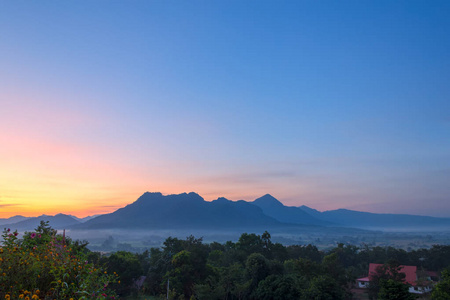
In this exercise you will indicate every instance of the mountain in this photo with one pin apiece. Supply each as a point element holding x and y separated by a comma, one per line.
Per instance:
<point>59,221</point>
<point>358,219</point>
<point>191,211</point>
<point>183,211</point>
<point>12,220</point>
<point>311,211</point>
<point>82,220</point>
<point>286,214</point>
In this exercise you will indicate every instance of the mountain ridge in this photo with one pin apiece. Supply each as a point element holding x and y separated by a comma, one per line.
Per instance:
<point>286,214</point>
<point>153,210</point>
<point>186,210</point>
<point>360,219</point>
<point>58,221</point>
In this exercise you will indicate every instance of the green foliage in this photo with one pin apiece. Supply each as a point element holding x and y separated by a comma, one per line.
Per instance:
<point>303,267</point>
<point>391,289</point>
<point>158,266</point>
<point>235,281</point>
<point>182,274</point>
<point>388,271</point>
<point>181,262</point>
<point>254,267</point>
<point>44,265</point>
<point>257,268</point>
<point>128,266</point>
<point>250,243</point>
<point>347,254</point>
<point>301,251</point>
<point>324,287</point>
<point>441,290</point>
<point>279,287</point>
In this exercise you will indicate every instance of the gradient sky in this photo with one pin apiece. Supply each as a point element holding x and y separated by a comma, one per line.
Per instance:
<point>329,104</point>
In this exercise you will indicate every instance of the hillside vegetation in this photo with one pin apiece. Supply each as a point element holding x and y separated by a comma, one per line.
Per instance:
<point>45,265</point>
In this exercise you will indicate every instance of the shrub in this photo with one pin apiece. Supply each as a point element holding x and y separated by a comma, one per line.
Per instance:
<point>44,265</point>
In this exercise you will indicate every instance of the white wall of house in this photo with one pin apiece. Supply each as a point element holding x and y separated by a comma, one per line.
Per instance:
<point>412,289</point>
<point>419,289</point>
<point>363,284</point>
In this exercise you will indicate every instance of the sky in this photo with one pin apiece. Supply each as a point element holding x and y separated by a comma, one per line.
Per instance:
<point>329,104</point>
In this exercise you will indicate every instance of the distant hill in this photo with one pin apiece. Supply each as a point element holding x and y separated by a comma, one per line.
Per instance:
<point>59,221</point>
<point>313,212</point>
<point>358,219</point>
<point>82,220</point>
<point>183,211</point>
<point>287,214</point>
<point>12,220</point>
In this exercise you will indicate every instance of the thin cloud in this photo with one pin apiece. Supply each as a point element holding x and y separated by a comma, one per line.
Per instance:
<point>9,205</point>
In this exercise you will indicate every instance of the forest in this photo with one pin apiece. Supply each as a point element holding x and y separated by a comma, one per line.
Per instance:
<point>46,265</point>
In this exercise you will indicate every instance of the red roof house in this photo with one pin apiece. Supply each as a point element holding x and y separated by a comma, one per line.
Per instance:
<point>411,278</point>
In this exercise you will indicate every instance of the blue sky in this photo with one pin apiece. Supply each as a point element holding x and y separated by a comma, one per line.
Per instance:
<point>323,103</point>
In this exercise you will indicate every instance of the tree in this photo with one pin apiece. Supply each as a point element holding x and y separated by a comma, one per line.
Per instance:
<point>256,268</point>
<point>391,289</point>
<point>302,267</point>
<point>310,252</point>
<point>50,266</point>
<point>250,243</point>
<point>234,282</point>
<point>333,267</point>
<point>347,254</point>
<point>441,291</point>
<point>438,257</point>
<point>266,240</point>
<point>324,287</point>
<point>189,267</point>
<point>279,287</point>
<point>158,267</point>
<point>390,270</point>
<point>172,245</point>
<point>128,266</point>
<point>207,292</point>
<point>182,277</point>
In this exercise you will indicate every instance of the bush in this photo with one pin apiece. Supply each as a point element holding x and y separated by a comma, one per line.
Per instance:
<point>44,265</point>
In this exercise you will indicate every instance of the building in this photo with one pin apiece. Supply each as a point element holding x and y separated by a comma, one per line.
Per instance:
<point>419,282</point>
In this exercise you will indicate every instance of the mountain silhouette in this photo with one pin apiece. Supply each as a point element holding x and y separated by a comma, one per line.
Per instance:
<point>358,219</point>
<point>156,211</point>
<point>82,220</point>
<point>12,220</point>
<point>59,221</point>
<point>191,211</point>
<point>286,214</point>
